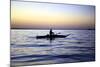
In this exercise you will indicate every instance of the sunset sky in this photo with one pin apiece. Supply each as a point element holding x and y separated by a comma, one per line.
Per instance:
<point>35,15</point>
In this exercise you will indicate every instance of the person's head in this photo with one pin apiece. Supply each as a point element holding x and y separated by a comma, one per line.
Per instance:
<point>50,28</point>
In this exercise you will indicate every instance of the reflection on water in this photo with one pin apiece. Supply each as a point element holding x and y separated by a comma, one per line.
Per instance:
<point>27,50</point>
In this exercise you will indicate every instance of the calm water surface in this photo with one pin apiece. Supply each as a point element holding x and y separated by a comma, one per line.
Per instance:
<point>27,50</point>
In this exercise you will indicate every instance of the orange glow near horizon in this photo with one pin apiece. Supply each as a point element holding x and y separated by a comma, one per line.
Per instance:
<point>23,14</point>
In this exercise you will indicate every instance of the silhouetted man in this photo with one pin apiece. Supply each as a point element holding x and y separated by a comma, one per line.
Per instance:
<point>51,33</point>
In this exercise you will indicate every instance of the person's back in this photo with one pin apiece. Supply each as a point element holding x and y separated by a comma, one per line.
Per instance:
<point>51,33</point>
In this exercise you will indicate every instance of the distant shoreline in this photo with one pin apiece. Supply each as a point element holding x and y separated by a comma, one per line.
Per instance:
<point>48,29</point>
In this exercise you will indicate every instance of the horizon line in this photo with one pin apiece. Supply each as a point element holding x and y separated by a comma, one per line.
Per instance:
<point>49,28</point>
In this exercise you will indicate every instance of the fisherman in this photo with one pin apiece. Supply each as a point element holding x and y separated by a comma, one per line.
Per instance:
<point>51,33</point>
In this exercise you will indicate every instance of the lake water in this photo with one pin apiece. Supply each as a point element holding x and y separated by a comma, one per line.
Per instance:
<point>27,50</point>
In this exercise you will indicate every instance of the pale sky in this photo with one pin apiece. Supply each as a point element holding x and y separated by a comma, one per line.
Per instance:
<point>48,15</point>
